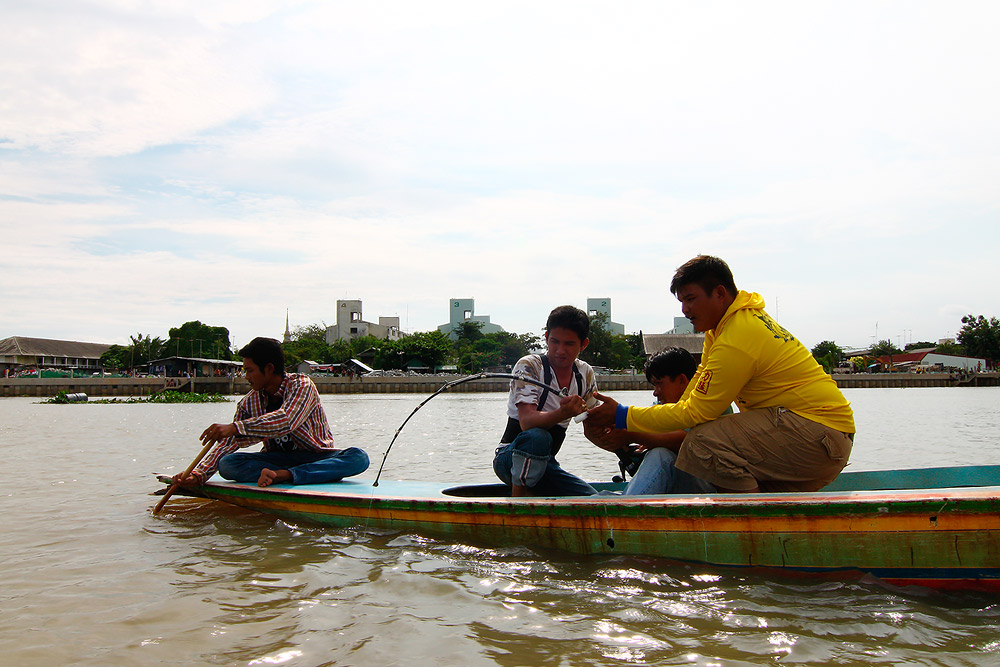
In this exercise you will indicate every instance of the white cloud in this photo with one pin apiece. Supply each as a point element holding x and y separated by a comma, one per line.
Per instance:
<point>103,81</point>
<point>224,161</point>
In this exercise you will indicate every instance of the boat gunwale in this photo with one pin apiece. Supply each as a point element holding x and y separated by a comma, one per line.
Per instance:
<point>838,503</point>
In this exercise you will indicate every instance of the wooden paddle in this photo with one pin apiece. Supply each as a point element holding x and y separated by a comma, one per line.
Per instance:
<point>173,487</point>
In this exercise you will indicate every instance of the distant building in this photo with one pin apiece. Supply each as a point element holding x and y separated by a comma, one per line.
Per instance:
<point>602,305</point>
<point>288,332</point>
<point>350,324</point>
<point>464,310</point>
<point>19,353</point>
<point>194,367</point>
<point>928,360</point>
<point>682,325</point>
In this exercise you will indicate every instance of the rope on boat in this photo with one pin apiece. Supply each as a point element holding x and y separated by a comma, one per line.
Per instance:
<point>448,385</point>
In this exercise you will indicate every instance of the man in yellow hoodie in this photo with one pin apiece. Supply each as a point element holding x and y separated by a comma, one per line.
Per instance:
<point>794,430</point>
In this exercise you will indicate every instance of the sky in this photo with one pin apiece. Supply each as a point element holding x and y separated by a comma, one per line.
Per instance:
<point>232,161</point>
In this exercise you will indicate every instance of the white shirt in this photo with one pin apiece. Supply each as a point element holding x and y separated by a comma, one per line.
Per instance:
<point>523,392</point>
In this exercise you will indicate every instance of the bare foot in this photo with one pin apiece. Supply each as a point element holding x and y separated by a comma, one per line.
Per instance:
<point>269,477</point>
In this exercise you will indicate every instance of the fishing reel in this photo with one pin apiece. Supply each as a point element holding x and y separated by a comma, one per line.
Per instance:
<point>628,463</point>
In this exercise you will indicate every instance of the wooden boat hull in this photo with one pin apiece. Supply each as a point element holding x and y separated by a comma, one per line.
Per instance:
<point>942,538</point>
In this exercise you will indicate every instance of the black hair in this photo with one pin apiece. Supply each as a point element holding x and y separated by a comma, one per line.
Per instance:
<point>264,351</point>
<point>569,317</point>
<point>706,271</point>
<point>669,363</point>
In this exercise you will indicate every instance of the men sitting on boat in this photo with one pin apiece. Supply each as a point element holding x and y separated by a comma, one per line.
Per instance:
<point>537,418</point>
<point>284,411</point>
<point>669,371</point>
<point>795,429</point>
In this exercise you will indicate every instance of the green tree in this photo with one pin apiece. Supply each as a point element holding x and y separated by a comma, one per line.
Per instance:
<point>469,331</point>
<point>308,343</point>
<point>388,355</point>
<point>637,349</point>
<point>194,339</point>
<point>980,337</point>
<point>530,343</point>
<point>116,357</point>
<point>467,356</point>
<point>504,348</point>
<point>146,348</point>
<point>921,345</point>
<point>143,349</point>
<point>356,347</point>
<point>340,351</point>
<point>828,354</point>
<point>606,349</point>
<point>310,332</point>
<point>950,348</point>
<point>431,348</point>
<point>885,348</point>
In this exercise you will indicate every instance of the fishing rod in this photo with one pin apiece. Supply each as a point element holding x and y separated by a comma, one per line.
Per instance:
<point>448,385</point>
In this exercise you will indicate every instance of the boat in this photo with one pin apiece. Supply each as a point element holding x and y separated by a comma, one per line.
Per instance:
<point>933,527</point>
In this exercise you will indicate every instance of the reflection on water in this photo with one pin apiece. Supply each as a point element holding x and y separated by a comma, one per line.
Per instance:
<point>89,577</point>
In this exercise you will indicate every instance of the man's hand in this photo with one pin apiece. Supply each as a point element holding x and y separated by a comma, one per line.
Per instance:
<point>571,406</point>
<point>217,433</point>
<point>615,439</point>
<point>189,481</point>
<point>603,415</point>
<point>608,439</point>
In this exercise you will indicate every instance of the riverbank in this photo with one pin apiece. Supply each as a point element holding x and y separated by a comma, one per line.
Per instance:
<point>410,384</point>
<point>418,384</point>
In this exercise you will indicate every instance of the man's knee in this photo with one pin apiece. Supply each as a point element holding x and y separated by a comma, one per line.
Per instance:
<point>530,453</point>
<point>357,459</point>
<point>229,466</point>
<point>661,456</point>
<point>535,442</point>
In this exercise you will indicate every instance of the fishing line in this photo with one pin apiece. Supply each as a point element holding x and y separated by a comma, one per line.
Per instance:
<point>448,385</point>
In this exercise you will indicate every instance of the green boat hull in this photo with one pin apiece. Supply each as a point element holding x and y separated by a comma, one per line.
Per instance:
<point>890,524</point>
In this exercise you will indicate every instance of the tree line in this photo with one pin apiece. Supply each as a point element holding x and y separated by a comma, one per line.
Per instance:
<point>471,351</point>
<point>191,339</point>
<point>978,337</point>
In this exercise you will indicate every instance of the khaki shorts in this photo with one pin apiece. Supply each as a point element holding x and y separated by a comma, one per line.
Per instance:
<point>771,448</point>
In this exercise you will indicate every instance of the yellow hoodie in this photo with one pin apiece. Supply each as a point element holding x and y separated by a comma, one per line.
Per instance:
<point>752,360</point>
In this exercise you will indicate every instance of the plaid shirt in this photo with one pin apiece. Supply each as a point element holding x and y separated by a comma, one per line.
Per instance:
<point>300,423</point>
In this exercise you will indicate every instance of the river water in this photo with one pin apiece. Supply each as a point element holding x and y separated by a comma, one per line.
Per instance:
<point>89,577</point>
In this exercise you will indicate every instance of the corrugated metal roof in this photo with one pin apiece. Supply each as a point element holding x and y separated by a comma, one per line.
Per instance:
<point>653,343</point>
<point>363,366</point>
<point>46,347</point>
<point>903,357</point>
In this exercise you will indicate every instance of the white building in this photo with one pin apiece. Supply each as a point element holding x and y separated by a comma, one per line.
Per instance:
<point>603,305</point>
<point>682,325</point>
<point>351,324</point>
<point>464,310</point>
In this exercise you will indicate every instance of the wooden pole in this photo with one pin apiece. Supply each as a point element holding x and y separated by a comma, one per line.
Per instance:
<point>173,487</point>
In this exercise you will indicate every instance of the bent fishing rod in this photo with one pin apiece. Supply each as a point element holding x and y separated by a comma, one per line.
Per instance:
<point>448,385</point>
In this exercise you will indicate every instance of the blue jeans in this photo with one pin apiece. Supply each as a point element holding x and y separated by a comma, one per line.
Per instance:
<point>528,462</point>
<point>657,474</point>
<point>307,467</point>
